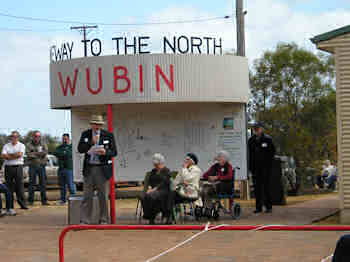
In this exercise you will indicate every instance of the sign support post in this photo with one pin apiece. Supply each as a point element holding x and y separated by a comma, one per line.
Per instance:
<point>111,181</point>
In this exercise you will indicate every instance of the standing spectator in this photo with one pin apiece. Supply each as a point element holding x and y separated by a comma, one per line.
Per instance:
<point>330,175</point>
<point>9,201</point>
<point>13,153</point>
<point>37,159</point>
<point>99,148</point>
<point>65,168</point>
<point>261,154</point>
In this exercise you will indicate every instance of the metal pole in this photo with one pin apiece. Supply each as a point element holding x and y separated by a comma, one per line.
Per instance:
<point>111,181</point>
<point>83,29</point>
<point>240,28</point>
<point>241,52</point>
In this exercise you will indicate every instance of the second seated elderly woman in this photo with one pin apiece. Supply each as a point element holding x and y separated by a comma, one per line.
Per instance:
<point>155,197</point>
<point>187,182</point>
<point>219,176</point>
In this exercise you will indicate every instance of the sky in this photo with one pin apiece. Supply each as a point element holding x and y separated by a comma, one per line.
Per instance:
<point>24,44</point>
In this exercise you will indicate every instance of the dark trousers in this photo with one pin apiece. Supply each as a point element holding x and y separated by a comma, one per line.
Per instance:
<point>8,196</point>
<point>14,182</point>
<point>261,180</point>
<point>35,171</point>
<point>155,202</point>
<point>342,250</point>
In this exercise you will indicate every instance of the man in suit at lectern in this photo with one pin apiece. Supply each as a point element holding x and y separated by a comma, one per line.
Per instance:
<point>99,148</point>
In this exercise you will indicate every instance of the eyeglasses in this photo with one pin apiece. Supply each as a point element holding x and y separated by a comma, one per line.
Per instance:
<point>36,136</point>
<point>14,136</point>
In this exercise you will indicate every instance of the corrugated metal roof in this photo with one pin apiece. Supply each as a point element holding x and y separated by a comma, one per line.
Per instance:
<point>331,34</point>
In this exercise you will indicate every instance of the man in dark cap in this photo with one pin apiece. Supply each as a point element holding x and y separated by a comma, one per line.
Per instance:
<point>261,153</point>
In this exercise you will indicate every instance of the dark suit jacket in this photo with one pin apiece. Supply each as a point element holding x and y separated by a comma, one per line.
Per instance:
<point>261,153</point>
<point>108,142</point>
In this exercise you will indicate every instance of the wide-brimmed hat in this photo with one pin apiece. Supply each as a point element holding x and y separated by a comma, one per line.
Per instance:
<point>97,119</point>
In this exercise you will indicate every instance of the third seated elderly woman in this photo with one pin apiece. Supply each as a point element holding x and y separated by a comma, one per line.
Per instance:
<point>219,176</point>
<point>156,190</point>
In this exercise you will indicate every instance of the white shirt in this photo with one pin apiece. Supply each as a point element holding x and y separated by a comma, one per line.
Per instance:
<point>94,159</point>
<point>9,148</point>
<point>331,170</point>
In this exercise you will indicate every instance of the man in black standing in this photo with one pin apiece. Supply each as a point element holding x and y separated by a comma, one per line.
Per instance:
<point>99,148</point>
<point>261,153</point>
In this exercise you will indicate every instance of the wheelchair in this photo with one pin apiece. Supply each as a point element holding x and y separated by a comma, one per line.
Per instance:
<point>213,212</point>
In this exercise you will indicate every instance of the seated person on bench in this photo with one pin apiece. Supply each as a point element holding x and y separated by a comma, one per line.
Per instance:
<point>154,199</point>
<point>186,182</point>
<point>219,178</point>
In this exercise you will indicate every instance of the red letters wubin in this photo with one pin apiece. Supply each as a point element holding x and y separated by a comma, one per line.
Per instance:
<point>120,74</point>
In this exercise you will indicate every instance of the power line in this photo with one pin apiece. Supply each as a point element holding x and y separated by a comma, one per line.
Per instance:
<point>198,20</point>
<point>29,30</point>
<point>39,30</point>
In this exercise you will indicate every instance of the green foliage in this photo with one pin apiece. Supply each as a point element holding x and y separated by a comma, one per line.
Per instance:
<point>293,92</point>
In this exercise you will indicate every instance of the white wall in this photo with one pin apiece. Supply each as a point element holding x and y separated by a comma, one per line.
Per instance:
<point>171,129</point>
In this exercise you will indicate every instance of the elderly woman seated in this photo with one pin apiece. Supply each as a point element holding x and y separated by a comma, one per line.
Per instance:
<point>186,183</point>
<point>154,199</point>
<point>219,177</point>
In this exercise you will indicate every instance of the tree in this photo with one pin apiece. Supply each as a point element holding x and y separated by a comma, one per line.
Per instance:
<point>292,91</point>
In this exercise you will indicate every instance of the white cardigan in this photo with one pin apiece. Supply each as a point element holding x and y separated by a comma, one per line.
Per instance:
<point>189,178</point>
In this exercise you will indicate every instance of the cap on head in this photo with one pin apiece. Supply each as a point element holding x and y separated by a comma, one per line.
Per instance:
<point>258,124</point>
<point>97,120</point>
<point>193,157</point>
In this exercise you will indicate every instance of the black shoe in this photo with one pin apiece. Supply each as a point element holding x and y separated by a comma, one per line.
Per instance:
<point>169,221</point>
<point>268,210</point>
<point>24,207</point>
<point>256,211</point>
<point>45,204</point>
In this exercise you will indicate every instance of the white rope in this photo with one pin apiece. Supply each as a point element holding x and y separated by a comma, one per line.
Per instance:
<point>267,226</point>
<point>206,229</point>
<point>327,258</point>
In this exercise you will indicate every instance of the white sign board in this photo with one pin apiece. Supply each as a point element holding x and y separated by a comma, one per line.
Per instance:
<point>171,129</point>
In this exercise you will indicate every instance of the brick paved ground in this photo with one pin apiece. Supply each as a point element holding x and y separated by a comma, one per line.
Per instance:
<point>32,236</point>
